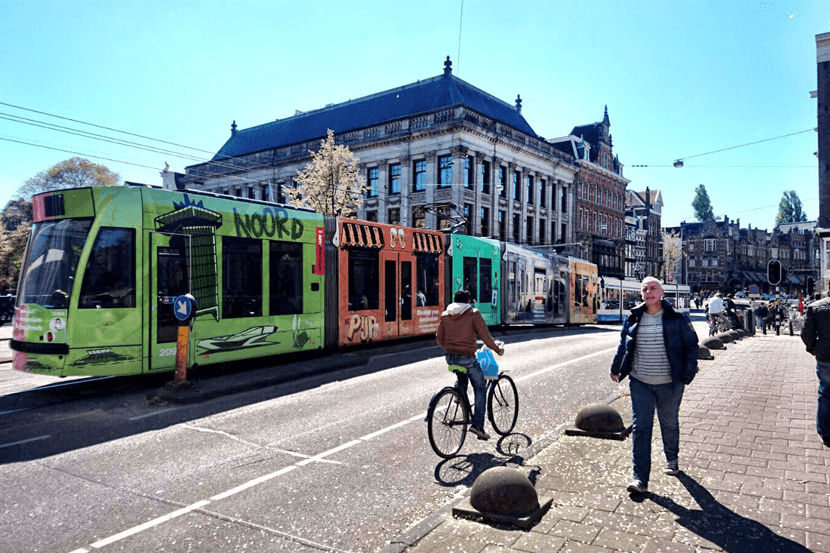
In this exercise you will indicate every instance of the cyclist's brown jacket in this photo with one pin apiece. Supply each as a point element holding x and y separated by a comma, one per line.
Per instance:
<point>458,328</point>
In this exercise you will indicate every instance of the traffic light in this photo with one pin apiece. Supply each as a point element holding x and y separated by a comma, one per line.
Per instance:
<point>774,272</point>
<point>811,282</point>
<point>790,270</point>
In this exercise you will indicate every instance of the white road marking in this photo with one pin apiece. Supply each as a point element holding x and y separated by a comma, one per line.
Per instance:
<point>327,453</point>
<point>25,441</point>
<point>552,367</point>
<point>149,524</point>
<point>253,483</point>
<point>153,414</point>
<point>368,437</point>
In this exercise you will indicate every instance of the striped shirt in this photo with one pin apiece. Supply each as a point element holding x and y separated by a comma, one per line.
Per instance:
<point>651,364</point>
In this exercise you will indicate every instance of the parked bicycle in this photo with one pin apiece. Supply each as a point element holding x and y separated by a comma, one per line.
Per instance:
<point>449,413</point>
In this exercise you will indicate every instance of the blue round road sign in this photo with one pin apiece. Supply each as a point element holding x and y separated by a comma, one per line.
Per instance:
<point>184,306</point>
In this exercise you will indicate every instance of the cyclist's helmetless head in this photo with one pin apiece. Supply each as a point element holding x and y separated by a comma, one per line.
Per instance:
<point>652,290</point>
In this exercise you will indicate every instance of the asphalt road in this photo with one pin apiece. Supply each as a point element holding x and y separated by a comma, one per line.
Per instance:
<point>336,462</point>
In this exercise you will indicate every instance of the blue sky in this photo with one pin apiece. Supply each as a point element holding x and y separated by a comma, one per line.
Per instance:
<point>680,79</point>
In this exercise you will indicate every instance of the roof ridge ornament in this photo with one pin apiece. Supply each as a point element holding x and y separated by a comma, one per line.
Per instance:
<point>447,67</point>
<point>519,103</point>
<point>233,127</point>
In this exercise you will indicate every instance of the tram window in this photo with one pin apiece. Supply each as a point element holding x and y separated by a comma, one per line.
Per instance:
<point>241,277</point>
<point>52,258</point>
<point>109,279</point>
<point>364,279</point>
<point>390,283</point>
<point>286,278</point>
<point>406,298</point>
<point>470,268</point>
<point>485,276</point>
<point>427,269</point>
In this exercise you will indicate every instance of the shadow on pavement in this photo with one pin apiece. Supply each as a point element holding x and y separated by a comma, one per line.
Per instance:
<point>716,523</point>
<point>464,469</point>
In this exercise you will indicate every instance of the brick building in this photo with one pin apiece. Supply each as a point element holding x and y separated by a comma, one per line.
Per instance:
<point>643,214</point>
<point>599,224</point>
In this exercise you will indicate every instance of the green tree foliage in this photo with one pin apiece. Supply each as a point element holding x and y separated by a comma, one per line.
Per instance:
<point>12,248</point>
<point>702,205</point>
<point>790,209</point>
<point>331,184</point>
<point>70,173</point>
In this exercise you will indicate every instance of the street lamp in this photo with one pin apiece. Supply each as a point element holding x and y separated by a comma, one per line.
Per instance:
<point>678,163</point>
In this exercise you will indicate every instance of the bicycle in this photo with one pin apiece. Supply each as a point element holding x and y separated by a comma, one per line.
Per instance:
<point>718,323</point>
<point>449,413</point>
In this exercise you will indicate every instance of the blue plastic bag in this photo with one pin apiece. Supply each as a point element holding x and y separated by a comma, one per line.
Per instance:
<point>488,363</point>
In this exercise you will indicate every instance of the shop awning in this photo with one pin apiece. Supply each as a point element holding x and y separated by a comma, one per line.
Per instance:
<point>361,236</point>
<point>428,243</point>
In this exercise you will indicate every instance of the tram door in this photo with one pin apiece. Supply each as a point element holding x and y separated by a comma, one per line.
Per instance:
<point>399,295</point>
<point>169,278</point>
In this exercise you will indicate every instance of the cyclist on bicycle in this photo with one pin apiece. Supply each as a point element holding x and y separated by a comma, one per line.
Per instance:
<point>457,331</point>
<point>717,310</point>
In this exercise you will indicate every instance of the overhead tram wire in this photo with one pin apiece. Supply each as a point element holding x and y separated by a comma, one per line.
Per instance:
<point>95,136</point>
<point>76,153</point>
<point>679,162</point>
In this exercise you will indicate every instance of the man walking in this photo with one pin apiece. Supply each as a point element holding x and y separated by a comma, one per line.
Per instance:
<point>816,336</point>
<point>658,349</point>
<point>457,331</point>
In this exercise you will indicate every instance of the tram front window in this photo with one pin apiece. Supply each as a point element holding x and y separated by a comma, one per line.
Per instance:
<point>52,257</point>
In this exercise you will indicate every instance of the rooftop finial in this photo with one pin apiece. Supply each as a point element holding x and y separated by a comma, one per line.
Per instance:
<point>605,117</point>
<point>447,67</point>
<point>519,103</point>
<point>233,127</point>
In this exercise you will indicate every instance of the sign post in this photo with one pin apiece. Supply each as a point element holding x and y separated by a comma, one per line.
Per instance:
<point>184,308</point>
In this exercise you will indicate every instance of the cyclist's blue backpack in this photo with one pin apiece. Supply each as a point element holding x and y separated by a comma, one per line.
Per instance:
<point>488,363</point>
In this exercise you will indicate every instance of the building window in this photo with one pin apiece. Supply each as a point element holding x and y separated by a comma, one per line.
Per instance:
<point>564,200</point>
<point>444,171</point>
<point>419,181</point>
<point>485,177</point>
<point>503,225</point>
<point>395,178</point>
<point>709,244</point>
<point>394,216</point>
<point>469,173</point>
<point>372,182</point>
<point>418,217</point>
<point>564,236</point>
<point>541,232</point>
<point>543,185</point>
<point>530,230</point>
<point>529,189</point>
<point>502,182</point>
<point>468,216</point>
<point>264,192</point>
<point>251,193</point>
<point>691,246</point>
<point>372,215</point>
<point>485,222</point>
<point>517,228</point>
<point>517,192</point>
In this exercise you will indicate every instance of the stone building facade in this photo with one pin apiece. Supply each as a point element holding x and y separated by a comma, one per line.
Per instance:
<point>822,94</point>
<point>643,215</point>
<point>599,224</point>
<point>719,255</point>
<point>438,153</point>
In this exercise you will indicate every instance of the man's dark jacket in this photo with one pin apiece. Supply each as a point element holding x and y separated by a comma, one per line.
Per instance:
<point>679,336</point>
<point>816,331</point>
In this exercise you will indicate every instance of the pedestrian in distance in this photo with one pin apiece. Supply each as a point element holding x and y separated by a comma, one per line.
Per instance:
<point>762,313</point>
<point>457,331</point>
<point>816,336</point>
<point>658,351</point>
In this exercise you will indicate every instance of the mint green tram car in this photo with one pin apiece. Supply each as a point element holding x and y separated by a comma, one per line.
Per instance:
<point>104,265</point>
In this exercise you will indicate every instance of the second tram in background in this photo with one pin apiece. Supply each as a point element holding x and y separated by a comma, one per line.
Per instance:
<point>104,266</point>
<point>617,297</point>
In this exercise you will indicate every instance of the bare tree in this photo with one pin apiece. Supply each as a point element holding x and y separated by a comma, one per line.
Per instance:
<point>70,173</point>
<point>672,254</point>
<point>331,184</point>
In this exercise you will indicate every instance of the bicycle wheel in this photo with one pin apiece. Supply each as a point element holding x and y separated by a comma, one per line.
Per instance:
<point>447,422</point>
<point>503,405</point>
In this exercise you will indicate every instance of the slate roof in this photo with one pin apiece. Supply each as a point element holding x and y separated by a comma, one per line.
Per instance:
<point>422,97</point>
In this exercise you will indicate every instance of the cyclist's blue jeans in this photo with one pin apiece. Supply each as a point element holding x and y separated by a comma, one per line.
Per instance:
<point>645,398</point>
<point>477,378</point>
<point>823,411</point>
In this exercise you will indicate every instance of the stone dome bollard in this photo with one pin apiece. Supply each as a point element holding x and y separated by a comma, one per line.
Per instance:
<point>725,337</point>
<point>704,353</point>
<point>712,342</point>
<point>504,495</point>
<point>599,421</point>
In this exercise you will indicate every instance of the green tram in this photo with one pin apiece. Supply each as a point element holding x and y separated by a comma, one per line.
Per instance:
<point>104,265</point>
